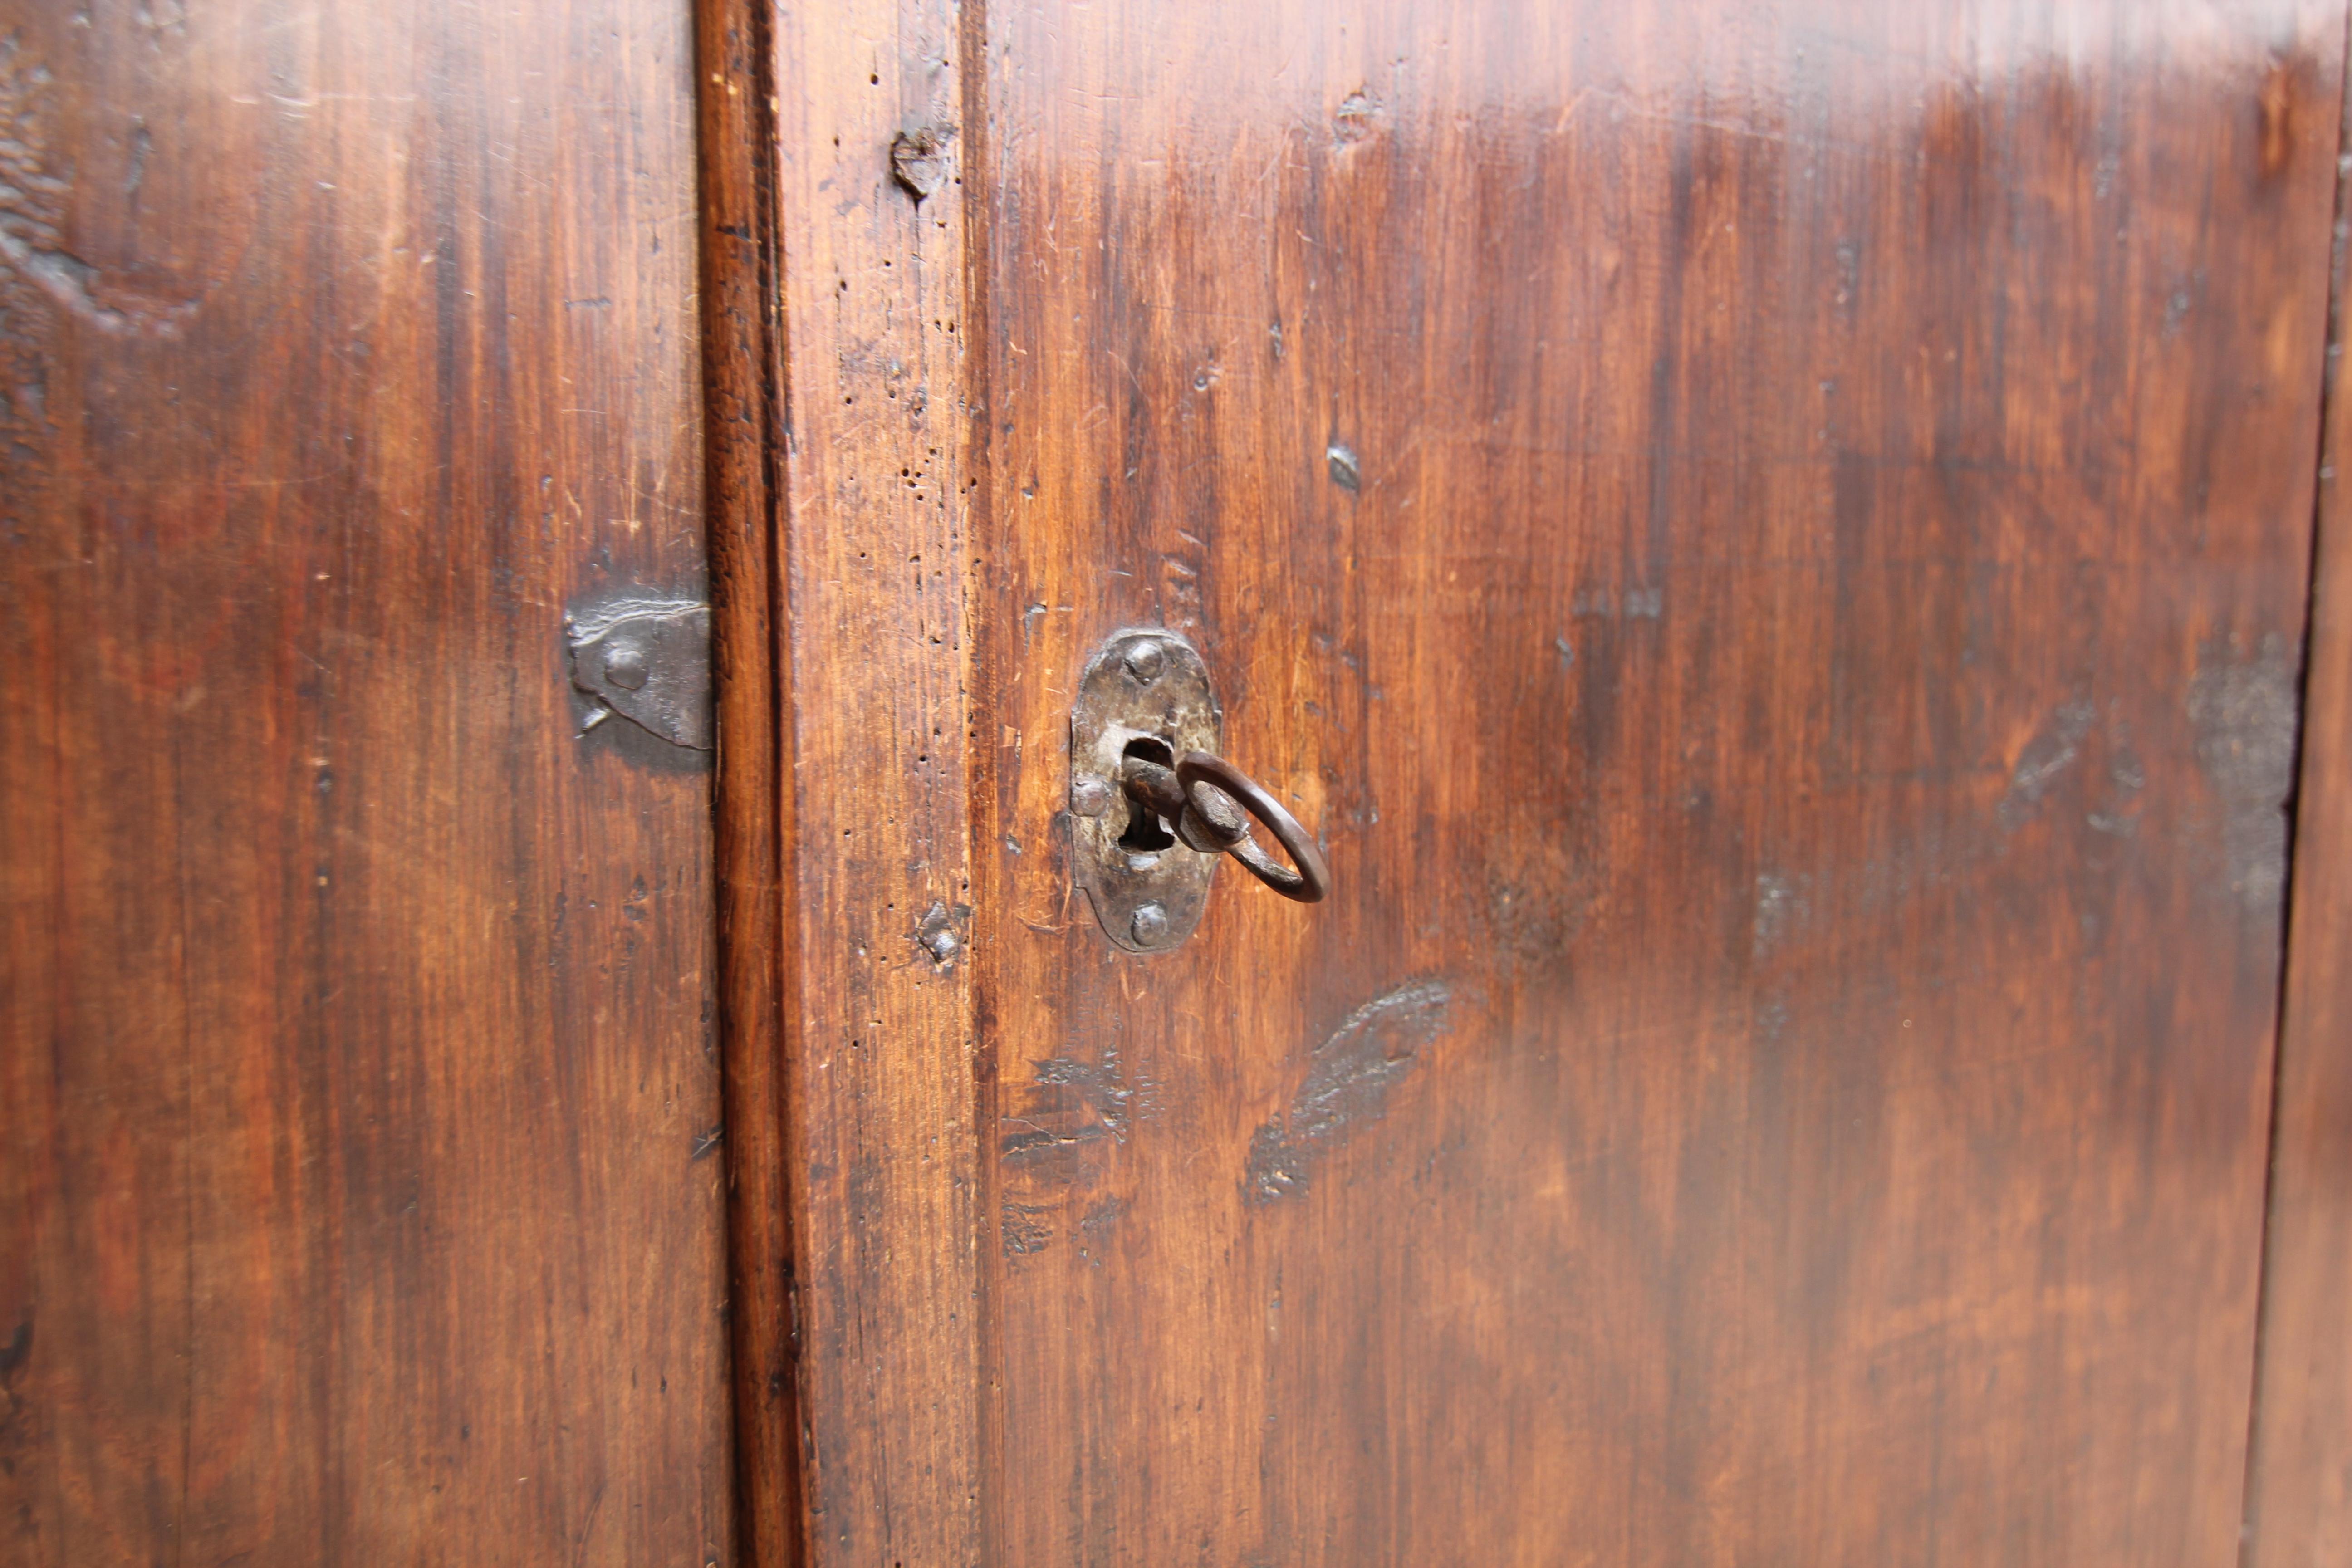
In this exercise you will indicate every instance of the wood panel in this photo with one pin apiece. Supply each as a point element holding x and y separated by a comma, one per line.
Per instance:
<point>743,343</point>
<point>1772,542</point>
<point>878,1048</point>
<point>357,1201</point>
<point>2299,1499</point>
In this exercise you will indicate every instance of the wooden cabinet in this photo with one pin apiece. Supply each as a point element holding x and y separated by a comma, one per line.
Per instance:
<point>359,1201</point>
<point>1773,548</point>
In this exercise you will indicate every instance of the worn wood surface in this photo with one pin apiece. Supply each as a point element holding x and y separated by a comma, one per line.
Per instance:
<point>879,1050</point>
<point>743,344</point>
<point>358,1197</point>
<point>2299,1486</point>
<point>1771,541</point>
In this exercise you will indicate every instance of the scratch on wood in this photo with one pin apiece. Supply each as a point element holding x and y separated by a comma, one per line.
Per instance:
<point>1347,1085</point>
<point>1022,1231</point>
<point>2053,750</point>
<point>1069,1105</point>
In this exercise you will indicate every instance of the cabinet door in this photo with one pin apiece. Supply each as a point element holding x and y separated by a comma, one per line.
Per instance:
<point>1770,545</point>
<point>357,1090</point>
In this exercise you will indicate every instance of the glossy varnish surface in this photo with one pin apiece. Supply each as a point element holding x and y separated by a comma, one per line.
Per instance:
<point>1772,544</point>
<point>743,345</point>
<point>2299,1495</point>
<point>360,1167</point>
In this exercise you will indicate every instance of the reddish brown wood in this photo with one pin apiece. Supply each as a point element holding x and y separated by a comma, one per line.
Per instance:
<point>743,369</point>
<point>1796,665</point>
<point>2299,1500</point>
<point>357,1197</point>
<point>881,1145</point>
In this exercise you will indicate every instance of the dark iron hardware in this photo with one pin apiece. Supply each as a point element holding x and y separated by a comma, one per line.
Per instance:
<point>1153,808</point>
<point>1197,798</point>
<point>648,661</point>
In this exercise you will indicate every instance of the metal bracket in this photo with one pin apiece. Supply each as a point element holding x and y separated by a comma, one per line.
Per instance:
<point>1144,694</point>
<point>648,661</point>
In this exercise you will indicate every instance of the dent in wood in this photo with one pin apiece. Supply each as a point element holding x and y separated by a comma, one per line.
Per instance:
<point>1072,1103</point>
<point>33,199</point>
<point>1022,1231</point>
<point>919,158</point>
<point>1347,1085</point>
<point>941,934</point>
<point>1356,117</point>
<point>1532,918</point>
<point>1346,471</point>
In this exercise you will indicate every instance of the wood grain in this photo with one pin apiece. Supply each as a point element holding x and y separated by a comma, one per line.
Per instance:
<point>880,1141</point>
<point>1772,544</point>
<point>357,1202</point>
<point>743,343</point>
<point>2299,1497</point>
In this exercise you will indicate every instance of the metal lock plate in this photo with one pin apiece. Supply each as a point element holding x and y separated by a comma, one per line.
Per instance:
<point>648,661</point>
<point>1145,693</point>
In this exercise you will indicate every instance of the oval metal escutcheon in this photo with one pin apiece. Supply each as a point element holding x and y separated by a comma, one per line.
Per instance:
<point>1144,694</point>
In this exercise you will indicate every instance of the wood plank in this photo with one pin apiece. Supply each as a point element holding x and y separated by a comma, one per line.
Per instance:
<point>357,1201</point>
<point>879,1136</point>
<point>1772,544</point>
<point>2299,1498</point>
<point>744,332</point>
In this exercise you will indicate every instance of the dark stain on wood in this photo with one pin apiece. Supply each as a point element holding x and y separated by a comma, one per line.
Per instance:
<point>18,1348</point>
<point>2245,711</point>
<point>1348,1084</point>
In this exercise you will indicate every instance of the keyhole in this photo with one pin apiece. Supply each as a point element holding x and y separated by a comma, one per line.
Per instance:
<point>1146,834</point>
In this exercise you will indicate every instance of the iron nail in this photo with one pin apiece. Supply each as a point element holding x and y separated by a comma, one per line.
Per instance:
<point>625,666</point>
<point>1089,796</point>
<point>1145,660</point>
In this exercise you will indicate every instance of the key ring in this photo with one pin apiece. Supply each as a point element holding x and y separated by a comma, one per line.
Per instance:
<point>1309,881</point>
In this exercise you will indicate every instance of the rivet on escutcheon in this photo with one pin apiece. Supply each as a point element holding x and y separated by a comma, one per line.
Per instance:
<point>1089,796</point>
<point>1145,660</point>
<point>624,666</point>
<point>1149,924</point>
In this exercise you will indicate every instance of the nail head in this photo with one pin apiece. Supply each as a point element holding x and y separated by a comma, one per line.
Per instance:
<point>1145,660</point>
